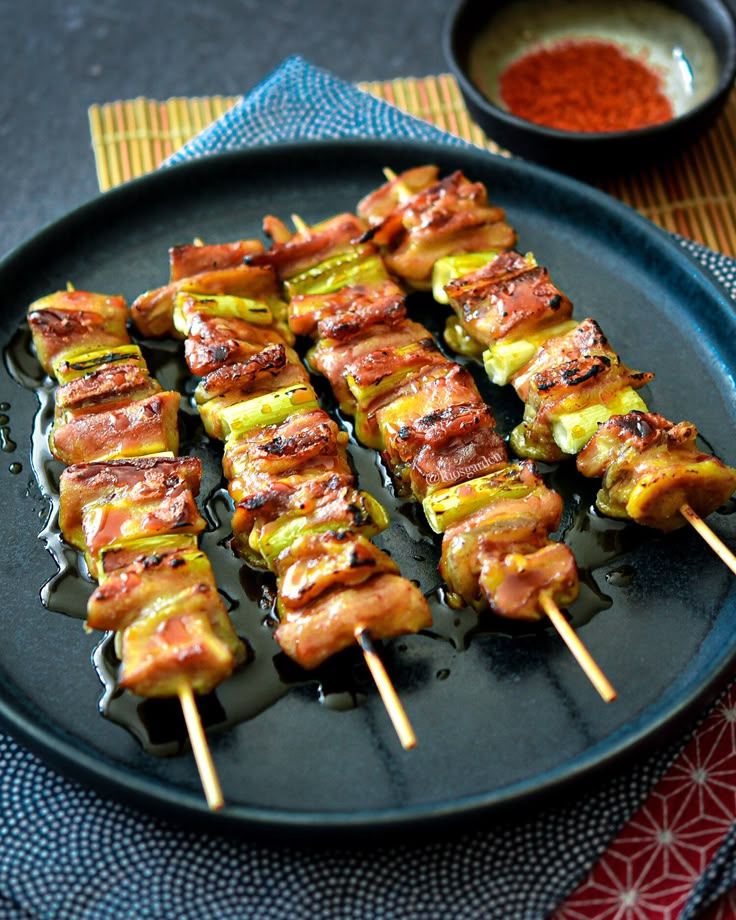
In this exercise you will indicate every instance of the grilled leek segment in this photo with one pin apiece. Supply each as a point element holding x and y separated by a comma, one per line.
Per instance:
<point>188,304</point>
<point>447,507</point>
<point>508,356</point>
<point>449,268</point>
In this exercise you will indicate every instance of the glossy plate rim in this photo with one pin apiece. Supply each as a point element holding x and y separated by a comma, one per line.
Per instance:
<point>73,759</point>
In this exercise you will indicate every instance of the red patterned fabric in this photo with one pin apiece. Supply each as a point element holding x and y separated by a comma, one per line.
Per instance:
<point>724,910</point>
<point>652,865</point>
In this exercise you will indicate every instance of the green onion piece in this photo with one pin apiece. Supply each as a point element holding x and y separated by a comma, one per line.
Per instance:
<point>447,506</point>
<point>449,268</point>
<point>460,340</point>
<point>145,546</point>
<point>269,409</point>
<point>366,394</point>
<point>369,518</point>
<point>573,430</point>
<point>252,311</point>
<point>504,358</point>
<point>70,368</point>
<point>360,265</point>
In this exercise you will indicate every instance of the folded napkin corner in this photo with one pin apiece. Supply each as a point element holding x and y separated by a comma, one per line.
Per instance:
<point>300,101</point>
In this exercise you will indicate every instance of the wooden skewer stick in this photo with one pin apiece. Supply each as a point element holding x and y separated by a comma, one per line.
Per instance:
<point>387,690</point>
<point>579,651</point>
<point>714,541</point>
<point>401,187</point>
<point>382,681</point>
<point>300,225</point>
<point>201,749</point>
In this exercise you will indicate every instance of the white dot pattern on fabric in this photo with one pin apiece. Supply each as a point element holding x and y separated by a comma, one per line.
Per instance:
<point>69,853</point>
<point>66,852</point>
<point>302,102</point>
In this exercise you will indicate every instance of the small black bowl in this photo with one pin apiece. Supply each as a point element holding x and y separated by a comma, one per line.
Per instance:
<point>691,42</point>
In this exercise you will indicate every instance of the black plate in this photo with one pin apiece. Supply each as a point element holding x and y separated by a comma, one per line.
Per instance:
<point>501,715</point>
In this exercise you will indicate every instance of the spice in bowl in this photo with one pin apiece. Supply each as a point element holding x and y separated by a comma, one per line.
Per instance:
<point>584,85</point>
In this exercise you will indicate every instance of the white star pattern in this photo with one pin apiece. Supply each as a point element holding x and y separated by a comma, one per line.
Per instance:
<point>650,869</point>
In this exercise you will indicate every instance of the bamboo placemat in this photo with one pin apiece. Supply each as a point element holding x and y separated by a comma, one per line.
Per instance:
<point>694,194</point>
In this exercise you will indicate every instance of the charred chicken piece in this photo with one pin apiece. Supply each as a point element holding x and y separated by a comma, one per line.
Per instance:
<point>110,383</point>
<point>585,339</point>
<point>121,595</point>
<point>110,503</point>
<point>116,409</point>
<point>153,311</point>
<point>266,523</point>
<point>507,298</point>
<point>379,204</point>
<point>320,562</point>
<point>452,215</point>
<point>500,556</point>
<point>412,419</point>
<point>332,358</point>
<point>437,432</point>
<point>186,637</point>
<point>69,323</point>
<point>342,314</point>
<point>387,606</point>
<point>304,446</point>
<point>215,340</point>
<point>575,383</point>
<point>650,467</point>
<point>513,582</point>
<point>294,253</point>
<point>135,428</point>
<point>192,259</point>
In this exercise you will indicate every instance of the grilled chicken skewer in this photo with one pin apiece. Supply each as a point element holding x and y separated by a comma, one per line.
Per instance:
<point>426,416</point>
<point>576,390</point>
<point>128,504</point>
<point>298,511</point>
<point>580,399</point>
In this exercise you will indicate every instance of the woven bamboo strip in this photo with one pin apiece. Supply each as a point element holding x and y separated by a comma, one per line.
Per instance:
<point>113,158</point>
<point>124,150</point>
<point>182,122</point>
<point>722,139</point>
<point>158,155</point>
<point>448,114</point>
<point>450,122</point>
<point>426,104</point>
<point>694,194</point>
<point>100,147</point>
<point>166,129</point>
<point>695,179</point>
<point>136,153</point>
<point>143,135</point>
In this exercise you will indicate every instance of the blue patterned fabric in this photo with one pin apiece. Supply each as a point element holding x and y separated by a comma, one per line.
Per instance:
<point>718,878</point>
<point>66,852</point>
<point>302,102</point>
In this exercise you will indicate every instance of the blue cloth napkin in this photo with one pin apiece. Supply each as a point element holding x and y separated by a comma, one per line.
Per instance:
<point>66,852</point>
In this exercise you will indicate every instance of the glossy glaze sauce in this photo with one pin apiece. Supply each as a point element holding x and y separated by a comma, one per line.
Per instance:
<point>268,674</point>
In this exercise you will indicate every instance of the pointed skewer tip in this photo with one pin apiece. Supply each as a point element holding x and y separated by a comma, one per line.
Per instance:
<point>300,224</point>
<point>200,748</point>
<point>386,690</point>
<point>401,187</point>
<point>578,649</point>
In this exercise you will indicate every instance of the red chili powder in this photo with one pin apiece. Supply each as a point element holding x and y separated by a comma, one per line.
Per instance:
<point>584,86</point>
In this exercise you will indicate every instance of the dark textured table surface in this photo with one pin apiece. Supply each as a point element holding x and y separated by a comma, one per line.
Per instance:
<point>59,58</point>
